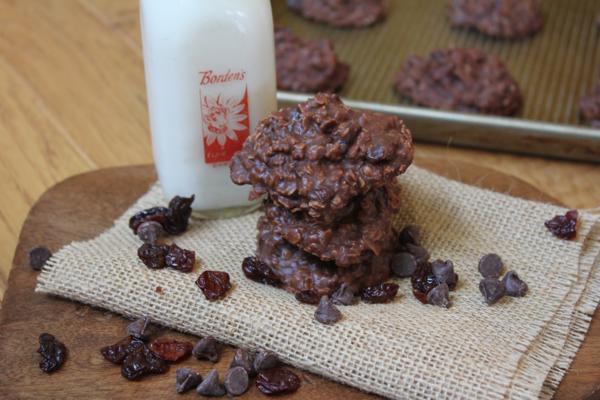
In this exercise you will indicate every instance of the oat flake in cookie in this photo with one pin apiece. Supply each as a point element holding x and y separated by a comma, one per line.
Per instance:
<point>589,107</point>
<point>307,66</point>
<point>466,80</point>
<point>505,19</point>
<point>341,13</point>
<point>319,156</point>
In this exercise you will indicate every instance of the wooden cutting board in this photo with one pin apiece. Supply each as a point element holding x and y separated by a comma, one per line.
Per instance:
<point>83,206</point>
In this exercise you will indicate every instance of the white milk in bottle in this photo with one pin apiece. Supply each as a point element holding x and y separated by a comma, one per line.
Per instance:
<point>210,78</point>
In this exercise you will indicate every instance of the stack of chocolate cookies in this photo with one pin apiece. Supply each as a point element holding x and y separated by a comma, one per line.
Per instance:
<point>329,176</point>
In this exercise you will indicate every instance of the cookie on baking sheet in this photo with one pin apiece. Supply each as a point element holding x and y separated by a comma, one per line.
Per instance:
<point>589,107</point>
<point>366,231</point>
<point>506,19</point>
<point>341,13</point>
<point>460,79</point>
<point>307,66</point>
<point>300,271</point>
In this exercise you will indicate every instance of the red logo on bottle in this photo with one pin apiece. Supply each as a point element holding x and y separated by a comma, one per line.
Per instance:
<point>225,120</point>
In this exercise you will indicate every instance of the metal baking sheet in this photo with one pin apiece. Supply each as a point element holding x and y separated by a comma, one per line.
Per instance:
<point>553,68</point>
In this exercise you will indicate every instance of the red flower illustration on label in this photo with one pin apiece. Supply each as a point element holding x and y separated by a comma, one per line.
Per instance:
<point>226,126</point>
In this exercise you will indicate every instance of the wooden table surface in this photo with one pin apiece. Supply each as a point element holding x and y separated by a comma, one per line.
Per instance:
<point>72,99</point>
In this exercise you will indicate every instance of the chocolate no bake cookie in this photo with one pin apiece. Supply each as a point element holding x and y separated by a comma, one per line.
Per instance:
<point>319,156</point>
<point>589,107</point>
<point>300,271</point>
<point>329,176</point>
<point>341,13</point>
<point>307,65</point>
<point>506,19</point>
<point>366,231</point>
<point>460,79</point>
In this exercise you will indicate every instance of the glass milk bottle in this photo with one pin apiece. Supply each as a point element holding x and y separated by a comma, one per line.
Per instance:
<point>210,78</point>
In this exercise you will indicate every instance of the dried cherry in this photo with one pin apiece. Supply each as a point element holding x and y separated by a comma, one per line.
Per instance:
<point>174,219</point>
<point>422,281</point>
<point>180,210</point>
<point>277,381</point>
<point>214,284</point>
<point>154,256</point>
<point>53,353</point>
<point>117,352</point>
<point>180,259</point>
<point>141,361</point>
<point>171,350</point>
<point>564,226</point>
<point>259,272</point>
<point>308,297</point>
<point>382,293</point>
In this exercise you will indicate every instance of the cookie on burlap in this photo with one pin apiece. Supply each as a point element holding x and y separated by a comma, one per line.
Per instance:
<point>506,19</point>
<point>341,14</point>
<point>300,271</point>
<point>460,79</point>
<point>307,66</point>
<point>319,156</point>
<point>589,107</point>
<point>367,231</point>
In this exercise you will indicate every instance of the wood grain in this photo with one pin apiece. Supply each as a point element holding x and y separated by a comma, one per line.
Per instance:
<point>80,208</point>
<point>72,98</point>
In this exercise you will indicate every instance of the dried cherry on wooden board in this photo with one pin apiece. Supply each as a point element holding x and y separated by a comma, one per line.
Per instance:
<point>277,381</point>
<point>53,353</point>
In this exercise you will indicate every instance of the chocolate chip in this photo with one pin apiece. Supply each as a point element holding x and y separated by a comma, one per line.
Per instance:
<point>38,257</point>
<point>243,358</point>
<point>344,296</point>
<point>327,312</point>
<point>265,359</point>
<point>420,253</point>
<point>139,328</point>
<point>206,349</point>
<point>439,296</point>
<point>186,379</point>
<point>514,286</point>
<point>236,381</point>
<point>150,232</point>
<point>211,386</point>
<point>490,266</point>
<point>444,272</point>
<point>492,290</point>
<point>411,234</point>
<point>404,265</point>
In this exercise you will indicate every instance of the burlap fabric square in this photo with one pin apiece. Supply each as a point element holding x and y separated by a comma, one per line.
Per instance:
<point>518,348</point>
